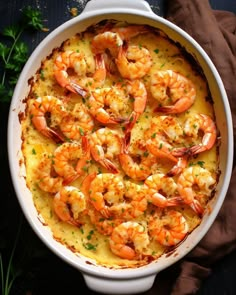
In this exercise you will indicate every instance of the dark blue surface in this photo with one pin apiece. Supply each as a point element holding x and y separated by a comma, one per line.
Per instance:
<point>229,5</point>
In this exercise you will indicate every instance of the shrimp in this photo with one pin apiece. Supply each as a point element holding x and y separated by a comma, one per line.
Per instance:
<point>137,167</point>
<point>69,204</point>
<point>129,240</point>
<point>178,167</point>
<point>106,40</point>
<point>170,127</point>
<point>96,80</point>
<point>168,227</point>
<point>157,141</point>
<point>103,225</point>
<point>105,148</point>
<point>134,202</point>
<point>166,129</point>
<point>133,62</point>
<point>169,86</point>
<point>138,92</point>
<point>194,124</point>
<point>105,190</point>
<point>193,184</point>
<point>39,108</point>
<point>107,104</point>
<point>47,180</point>
<point>64,61</point>
<point>128,32</point>
<point>77,123</point>
<point>161,191</point>
<point>66,154</point>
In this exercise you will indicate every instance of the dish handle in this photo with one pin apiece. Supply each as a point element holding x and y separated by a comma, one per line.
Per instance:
<point>119,286</point>
<point>113,4</point>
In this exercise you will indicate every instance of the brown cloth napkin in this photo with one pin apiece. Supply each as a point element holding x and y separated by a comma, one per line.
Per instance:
<point>215,31</point>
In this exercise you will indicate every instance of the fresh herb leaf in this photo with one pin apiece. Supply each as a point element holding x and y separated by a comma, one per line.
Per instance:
<point>11,31</point>
<point>90,246</point>
<point>32,18</point>
<point>14,53</point>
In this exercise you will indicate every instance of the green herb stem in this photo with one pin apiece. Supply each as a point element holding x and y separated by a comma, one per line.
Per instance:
<point>10,53</point>
<point>7,285</point>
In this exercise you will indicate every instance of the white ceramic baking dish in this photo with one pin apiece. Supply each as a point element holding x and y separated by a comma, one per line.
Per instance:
<point>98,278</point>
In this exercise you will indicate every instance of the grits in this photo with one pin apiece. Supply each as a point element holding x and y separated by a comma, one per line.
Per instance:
<point>93,236</point>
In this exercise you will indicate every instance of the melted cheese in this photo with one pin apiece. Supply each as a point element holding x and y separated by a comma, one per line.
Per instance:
<point>86,239</point>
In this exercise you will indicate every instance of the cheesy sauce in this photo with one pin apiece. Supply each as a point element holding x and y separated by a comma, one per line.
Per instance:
<point>86,238</point>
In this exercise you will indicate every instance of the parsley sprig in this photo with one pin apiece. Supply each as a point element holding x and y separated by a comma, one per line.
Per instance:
<point>14,52</point>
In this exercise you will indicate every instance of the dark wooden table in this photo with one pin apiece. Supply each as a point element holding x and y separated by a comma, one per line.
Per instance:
<point>40,271</point>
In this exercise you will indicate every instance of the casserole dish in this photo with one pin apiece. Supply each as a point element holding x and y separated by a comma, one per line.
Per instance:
<point>98,278</point>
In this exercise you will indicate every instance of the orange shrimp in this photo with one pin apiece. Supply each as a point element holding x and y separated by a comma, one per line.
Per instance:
<point>161,191</point>
<point>46,179</point>
<point>39,108</point>
<point>97,79</point>
<point>105,148</point>
<point>78,62</point>
<point>178,167</point>
<point>204,123</point>
<point>138,166</point>
<point>195,183</point>
<point>133,62</point>
<point>169,86</point>
<point>66,154</point>
<point>106,40</point>
<point>128,32</point>
<point>137,90</point>
<point>103,225</point>
<point>70,206</point>
<point>107,104</point>
<point>64,61</point>
<point>77,123</point>
<point>134,202</point>
<point>129,240</point>
<point>168,227</point>
<point>158,142</point>
<point>105,190</point>
<point>160,138</point>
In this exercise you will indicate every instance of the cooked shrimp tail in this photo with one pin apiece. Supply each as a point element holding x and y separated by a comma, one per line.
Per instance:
<point>130,31</point>
<point>105,148</point>
<point>159,200</point>
<point>162,191</point>
<point>100,69</point>
<point>82,164</point>
<point>138,92</point>
<point>197,207</point>
<point>178,168</point>
<point>180,152</point>
<point>73,87</point>
<point>85,186</point>
<point>53,135</point>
